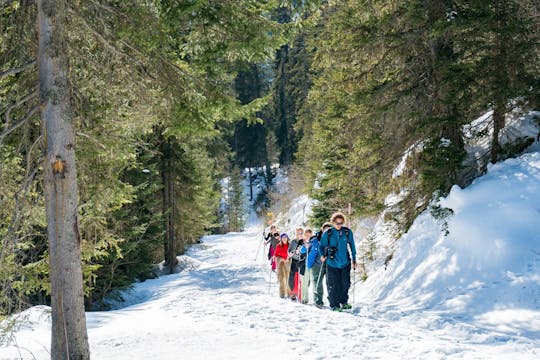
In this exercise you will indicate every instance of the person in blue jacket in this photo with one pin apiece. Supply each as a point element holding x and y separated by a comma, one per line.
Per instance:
<point>313,269</point>
<point>334,249</point>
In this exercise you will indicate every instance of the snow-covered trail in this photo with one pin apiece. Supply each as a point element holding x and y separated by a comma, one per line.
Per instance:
<point>225,309</point>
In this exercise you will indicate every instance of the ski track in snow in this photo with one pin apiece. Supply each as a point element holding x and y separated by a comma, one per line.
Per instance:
<point>226,309</point>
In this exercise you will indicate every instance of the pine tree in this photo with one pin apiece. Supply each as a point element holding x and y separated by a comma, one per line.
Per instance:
<point>69,337</point>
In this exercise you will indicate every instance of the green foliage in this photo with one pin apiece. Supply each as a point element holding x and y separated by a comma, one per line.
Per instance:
<point>128,79</point>
<point>234,202</point>
<point>387,75</point>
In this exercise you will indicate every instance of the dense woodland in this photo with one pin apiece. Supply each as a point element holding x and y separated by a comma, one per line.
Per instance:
<point>164,99</point>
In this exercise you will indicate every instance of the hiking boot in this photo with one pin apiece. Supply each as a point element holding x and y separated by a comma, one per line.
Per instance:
<point>346,306</point>
<point>304,302</point>
<point>319,306</point>
<point>336,308</point>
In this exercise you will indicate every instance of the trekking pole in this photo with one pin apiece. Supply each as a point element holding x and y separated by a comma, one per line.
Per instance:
<point>259,248</point>
<point>270,279</point>
<point>323,267</point>
<point>353,291</point>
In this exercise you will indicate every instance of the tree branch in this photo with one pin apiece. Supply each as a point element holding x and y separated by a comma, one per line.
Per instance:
<point>8,131</point>
<point>28,97</point>
<point>17,70</point>
<point>92,139</point>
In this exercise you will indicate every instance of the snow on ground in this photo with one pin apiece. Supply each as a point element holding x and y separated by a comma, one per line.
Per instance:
<point>473,294</point>
<point>486,271</point>
<point>226,309</point>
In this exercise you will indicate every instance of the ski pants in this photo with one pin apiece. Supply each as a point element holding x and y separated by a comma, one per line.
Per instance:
<point>283,267</point>
<point>306,281</point>
<point>292,278</point>
<point>338,282</point>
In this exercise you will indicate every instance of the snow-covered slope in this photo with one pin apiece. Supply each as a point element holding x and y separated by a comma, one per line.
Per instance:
<point>472,294</point>
<point>486,270</point>
<point>227,309</point>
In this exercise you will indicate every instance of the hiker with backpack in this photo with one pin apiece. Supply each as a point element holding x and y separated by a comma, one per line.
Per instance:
<point>334,247</point>
<point>313,267</point>
<point>281,257</point>
<point>272,239</point>
<point>294,254</point>
<point>319,280</point>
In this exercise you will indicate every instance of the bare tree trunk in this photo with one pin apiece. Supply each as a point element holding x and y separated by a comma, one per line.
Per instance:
<point>169,241</point>
<point>250,185</point>
<point>499,109</point>
<point>498,124</point>
<point>69,336</point>
<point>173,261</point>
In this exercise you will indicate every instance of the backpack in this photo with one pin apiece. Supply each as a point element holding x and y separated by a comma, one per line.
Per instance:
<point>330,232</point>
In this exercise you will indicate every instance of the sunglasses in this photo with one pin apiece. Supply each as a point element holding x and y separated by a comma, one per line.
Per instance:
<point>276,234</point>
<point>338,223</point>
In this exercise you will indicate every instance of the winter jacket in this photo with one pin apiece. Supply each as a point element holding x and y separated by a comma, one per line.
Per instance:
<point>282,251</point>
<point>295,244</point>
<point>270,239</point>
<point>340,240</point>
<point>313,256</point>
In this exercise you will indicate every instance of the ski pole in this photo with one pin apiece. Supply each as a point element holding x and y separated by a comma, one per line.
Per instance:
<point>320,273</point>
<point>259,248</point>
<point>270,279</point>
<point>353,291</point>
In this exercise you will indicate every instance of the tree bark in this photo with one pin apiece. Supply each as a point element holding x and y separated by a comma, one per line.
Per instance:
<point>169,241</point>
<point>501,82</point>
<point>498,124</point>
<point>250,185</point>
<point>69,335</point>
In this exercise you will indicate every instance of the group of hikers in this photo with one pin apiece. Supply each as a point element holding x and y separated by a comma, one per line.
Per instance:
<point>309,258</point>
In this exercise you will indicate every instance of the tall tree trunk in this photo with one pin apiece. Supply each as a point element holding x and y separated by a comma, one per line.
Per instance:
<point>498,124</point>
<point>69,336</point>
<point>501,82</point>
<point>250,185</point>
<point>173,261</point>
<point>169,241</point>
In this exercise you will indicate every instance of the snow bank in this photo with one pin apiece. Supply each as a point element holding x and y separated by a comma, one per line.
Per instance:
<point>487,268</point>
<point>478,135</point>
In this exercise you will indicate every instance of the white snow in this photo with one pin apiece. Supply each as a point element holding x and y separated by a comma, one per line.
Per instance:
<point>478,134</point>
<point>474,294</point>
<point>486,271</point>
<point>414,148</point>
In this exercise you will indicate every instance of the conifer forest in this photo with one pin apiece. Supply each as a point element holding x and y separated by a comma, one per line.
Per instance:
<point>128,128</point>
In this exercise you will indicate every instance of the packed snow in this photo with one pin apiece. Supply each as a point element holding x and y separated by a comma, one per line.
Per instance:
<point>472,292</point>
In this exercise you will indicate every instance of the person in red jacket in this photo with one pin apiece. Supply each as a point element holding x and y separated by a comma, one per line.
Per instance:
<point>281,255</point>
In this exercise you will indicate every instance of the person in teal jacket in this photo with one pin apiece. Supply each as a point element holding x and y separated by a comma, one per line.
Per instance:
<point>334,249</point>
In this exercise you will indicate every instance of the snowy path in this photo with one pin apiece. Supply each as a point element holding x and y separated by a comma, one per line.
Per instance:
<point>226,310</point>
